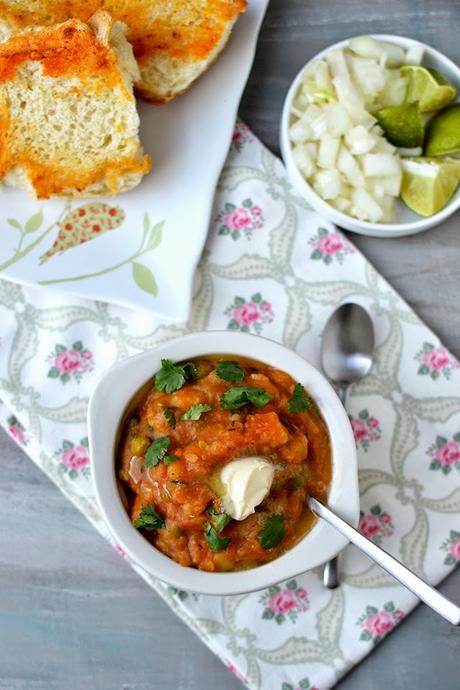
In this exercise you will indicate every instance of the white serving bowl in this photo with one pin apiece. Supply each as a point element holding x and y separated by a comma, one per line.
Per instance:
<point>408,222</point>
<point>106,408</point>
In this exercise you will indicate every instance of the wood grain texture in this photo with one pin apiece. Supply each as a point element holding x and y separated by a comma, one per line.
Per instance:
<point>73,616</point>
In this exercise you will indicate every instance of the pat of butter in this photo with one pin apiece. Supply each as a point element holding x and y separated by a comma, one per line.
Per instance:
<point>245,483</point>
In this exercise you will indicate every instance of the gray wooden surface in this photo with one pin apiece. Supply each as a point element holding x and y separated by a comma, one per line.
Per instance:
<point>73,616</point>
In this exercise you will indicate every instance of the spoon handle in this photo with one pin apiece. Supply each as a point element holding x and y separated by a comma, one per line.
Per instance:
<point>437,601</point>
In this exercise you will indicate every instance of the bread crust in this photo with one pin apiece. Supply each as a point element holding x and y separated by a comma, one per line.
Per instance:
<point>174,41</point>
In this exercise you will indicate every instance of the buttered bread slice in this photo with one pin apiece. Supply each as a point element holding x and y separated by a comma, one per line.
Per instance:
<point>174,41</point>
<point>68,119</point>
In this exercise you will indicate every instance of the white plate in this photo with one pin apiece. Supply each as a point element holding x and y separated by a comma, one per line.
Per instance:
<point>407,222</point>
<point>188,140</point>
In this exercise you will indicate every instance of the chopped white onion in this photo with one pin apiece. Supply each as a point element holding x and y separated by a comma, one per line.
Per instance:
<point>135,468</point>
<point>414,54</point>
<point>327,152</point>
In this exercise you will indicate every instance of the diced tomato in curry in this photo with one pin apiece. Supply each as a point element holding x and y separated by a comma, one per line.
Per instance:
<point>184,491</point>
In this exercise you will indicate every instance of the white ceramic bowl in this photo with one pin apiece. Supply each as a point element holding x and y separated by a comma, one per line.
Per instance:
<point>107,406</point>
<point>408,222</point>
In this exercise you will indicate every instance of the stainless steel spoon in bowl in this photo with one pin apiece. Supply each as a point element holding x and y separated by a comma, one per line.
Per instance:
<point>347,350</point>
<point>434,599</point>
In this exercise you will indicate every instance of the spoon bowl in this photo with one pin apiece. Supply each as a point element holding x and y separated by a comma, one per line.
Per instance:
<point>348,344</point>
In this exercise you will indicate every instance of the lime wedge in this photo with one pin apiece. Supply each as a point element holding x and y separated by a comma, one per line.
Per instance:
<point>429,183</point>
<point>428,87</point>
<point>443,133</point>
<point>403,124</point>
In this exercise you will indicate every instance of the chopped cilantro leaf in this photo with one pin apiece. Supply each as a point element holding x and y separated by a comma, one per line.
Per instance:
<point>168,459</point>
<point>299,401</point>
<point>149,519</point>
<point>171,376</point>
<point>215,542</point>
<point>272,532</point>
<point>191,373</point>
<point>238,396</point>
<point>194,413</point>
<point>229,371</point>
<point>170,417</point>
<point>156,451</point>
<point>220,520</point>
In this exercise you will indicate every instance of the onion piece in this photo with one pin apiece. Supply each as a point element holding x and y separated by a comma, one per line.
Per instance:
<point>135,468</point>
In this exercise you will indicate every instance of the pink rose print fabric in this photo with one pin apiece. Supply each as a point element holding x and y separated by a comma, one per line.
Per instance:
<point>282,603</point>
<point>235,221</point>
<point>70,363</point>
<point>233,669</point>
<point>435,362</point>
<point>249,315</point>
<point>366,429</point>
<point>303,684</point>
<point>241,136</point>
<point>376,524</point>
<point>17,431</point>
<point>73,458</point>
<point>445,454</point>
<point>377,624</point>
<point>451,547</point>
<point>329,245</point>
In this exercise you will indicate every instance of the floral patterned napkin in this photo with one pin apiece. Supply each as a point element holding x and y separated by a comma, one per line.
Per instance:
<point>271,267</point>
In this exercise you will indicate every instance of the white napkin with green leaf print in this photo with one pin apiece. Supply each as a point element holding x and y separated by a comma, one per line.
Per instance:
<point>275,268</point>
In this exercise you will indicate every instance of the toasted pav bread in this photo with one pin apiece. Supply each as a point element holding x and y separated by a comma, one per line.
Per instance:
<point>68,119</point>
<point>174,41</point>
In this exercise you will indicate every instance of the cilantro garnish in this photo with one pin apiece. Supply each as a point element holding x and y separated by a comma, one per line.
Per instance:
<point>272,532</point>
<point>236,397</point>
<point>168,459</point>
<point>171,376</point>
<point>229,371</point>
<point>149,519</point>
<point>299,402</point>
<point>220,520</point>
<point>156,451</point>
<point>170,417</point>
<point>195,411</point>
<point>215,542</point>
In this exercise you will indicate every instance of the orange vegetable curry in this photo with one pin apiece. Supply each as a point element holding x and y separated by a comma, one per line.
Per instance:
<point>180,431</point>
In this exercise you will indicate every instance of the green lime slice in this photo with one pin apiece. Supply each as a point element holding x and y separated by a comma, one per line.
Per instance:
<point>428,87</point>
<point>443,133</point>
<point>429,183</point>
<point>403,124</point>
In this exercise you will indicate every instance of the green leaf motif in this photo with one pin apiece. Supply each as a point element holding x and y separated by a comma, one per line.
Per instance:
<point>144,278</point>
<point>257,297</point>
<point>316,255</point>
<point>440,441</point>
<point>60,348</point>
<point>389,606</point>
<point>78,346</point>
<point>53,373</point>
<point>365,636</point>
<point>371,610</point>
<point>376,510</point>
<point>268,614</point>
<point>34,222</point>
<point>292,585</point>
<point>287,686</point>
<point>154,236</point>
<point>14,223</point>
